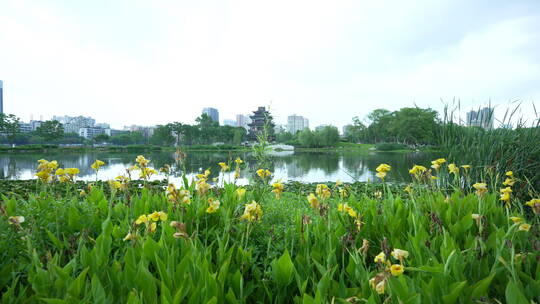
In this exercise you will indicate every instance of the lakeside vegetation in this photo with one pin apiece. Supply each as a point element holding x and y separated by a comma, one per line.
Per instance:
<point>449,239</point>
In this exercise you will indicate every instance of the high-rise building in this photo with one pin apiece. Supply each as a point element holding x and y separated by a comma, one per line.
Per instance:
<point>1,97</point>
<point>73,124</point>
<point>296,123</point>
<point>482,118</point>
<point>243,121</point>
<point>213,113</point>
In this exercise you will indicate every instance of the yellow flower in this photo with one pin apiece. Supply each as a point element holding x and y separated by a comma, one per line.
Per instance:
<point>320,189</point>
<point>152,227</point>
<point>524,227</point>
<point>142,219</point>
<point>380,287</point>
<point>71,171</point>
<point>262,173</point>
<point>383,168</point>
<point>278,189</point>
<point>130,236</point>
<point>436,164</point>
<point>44,176</point>
<point>380,258</point>
<point>466,167</point>
<point>505,194</point>
<point>16,219</point>
<point>240,192</point>
<point>238,161</point>
<point>346,208</point>
<point>400,254</point>
<point>157,215</point>
<point>433,177</point>
<point>339,183</point>
<point>115,184</point>
<point>202,187</point>
<point>143,162</point>
<point>516,219</point>
<point>97,164</point>
<point>509,173</point>
<point>409,189</point>
<point>82,193</point>
<point>224,166</point>
<point>509,182</point>
<point>417,171</point>
<point>381,175</point>
<point>252,212</point>
<point>146,172</point>
<point>534,204</point>
<point>313,201</point>
<point>214,206</point>
<point>453,169</point>
<point>476,216</point>
<point>59,171</point>
<point>481,188</point>
<point>396,270</point>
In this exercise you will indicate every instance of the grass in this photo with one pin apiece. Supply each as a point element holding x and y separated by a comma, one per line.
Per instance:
<point>88,247</point>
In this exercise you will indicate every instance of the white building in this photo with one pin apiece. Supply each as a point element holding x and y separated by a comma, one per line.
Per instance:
<point>73,124</point>
<point>296,123</point>
<point>243,121</point>
<point>90,132</point>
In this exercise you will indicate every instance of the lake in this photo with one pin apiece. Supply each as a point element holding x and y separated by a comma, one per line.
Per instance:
<point>346,166</point>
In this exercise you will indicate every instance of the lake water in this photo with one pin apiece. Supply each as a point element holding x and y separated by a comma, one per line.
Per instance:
<point>330,166</point>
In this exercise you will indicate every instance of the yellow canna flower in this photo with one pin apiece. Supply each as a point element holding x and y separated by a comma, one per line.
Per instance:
<point>524,227</point>
<point>481,188</point>
<point>409,189</point>
<point>509,173</point>
<point>343,193</point>
<point>214,206</point>
<point>313,201</point>
<point>339,183</point>
<point>238,161</point>
<point>509,182</point>
<point>59,171</point>
<point>397,270</point>
<point>224,166</point>
<point>453,169</point>
<point>400,254</point>
<point>381,175</point>
<point>240,192</point>
<point>383,168</point>
<point>152,227</point>
<point>380,258</point>
<point>417,171</point>
<point>278,189</point>
<point>252,212</point>
<point>534,204</point>
<point>466,167</point>
<point>143,162</point>
<point>380,287</point>
<point>142,219</point>
<point>505,194</point>
<point>97,164</point>
<point>130,237</point>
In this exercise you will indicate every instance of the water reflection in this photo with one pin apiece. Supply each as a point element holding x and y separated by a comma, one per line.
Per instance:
<point>298,166</point>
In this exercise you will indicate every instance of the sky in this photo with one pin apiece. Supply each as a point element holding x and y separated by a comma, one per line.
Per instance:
<point>130,62</point>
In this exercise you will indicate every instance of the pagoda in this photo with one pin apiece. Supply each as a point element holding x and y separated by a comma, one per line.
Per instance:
<point>259,119</point>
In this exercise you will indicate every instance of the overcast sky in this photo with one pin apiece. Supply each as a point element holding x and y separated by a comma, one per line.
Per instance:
<point>152,62</point>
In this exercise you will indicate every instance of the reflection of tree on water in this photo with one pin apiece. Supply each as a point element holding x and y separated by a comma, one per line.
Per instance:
<point>340,164</point>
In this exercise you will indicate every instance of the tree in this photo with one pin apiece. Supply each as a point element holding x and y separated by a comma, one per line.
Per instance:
<point>357,131</point>
<point>50,130</point>
<point>307,138</point>
<point>101,138</point>
<point>414,125</point>
<point>162,136</point>
<point>284,137</point>
<point>9,125</point>
<point>239,135</point>
<point>327,136</point>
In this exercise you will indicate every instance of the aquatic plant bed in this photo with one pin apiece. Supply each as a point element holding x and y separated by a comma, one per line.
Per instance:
<point>119,242</point>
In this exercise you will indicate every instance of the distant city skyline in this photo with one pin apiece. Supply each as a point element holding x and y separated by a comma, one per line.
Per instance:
<point>153,62</point>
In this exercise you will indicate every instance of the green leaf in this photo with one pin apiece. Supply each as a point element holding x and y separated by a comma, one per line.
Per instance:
<point>514,294</point>
<point>480,288</point>
<point>283,269</point>
<point>55,240</point>
<point>76,286</point>
<point>456,289</point>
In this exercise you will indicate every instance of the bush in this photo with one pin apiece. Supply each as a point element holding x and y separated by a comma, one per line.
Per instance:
<point>390,146</point>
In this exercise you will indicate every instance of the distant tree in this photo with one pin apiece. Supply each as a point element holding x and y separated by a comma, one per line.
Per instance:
<point>101,138</point>
<point>414,125</point>
<point>162,136</point>
<point>50,130</point>
<point>284,137</point>
<point>239,135</point>
<point>327,136</point>
<point>307,138</point>
<point>357,131</point>
<point>121,139</point>
<point>9,125</point>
